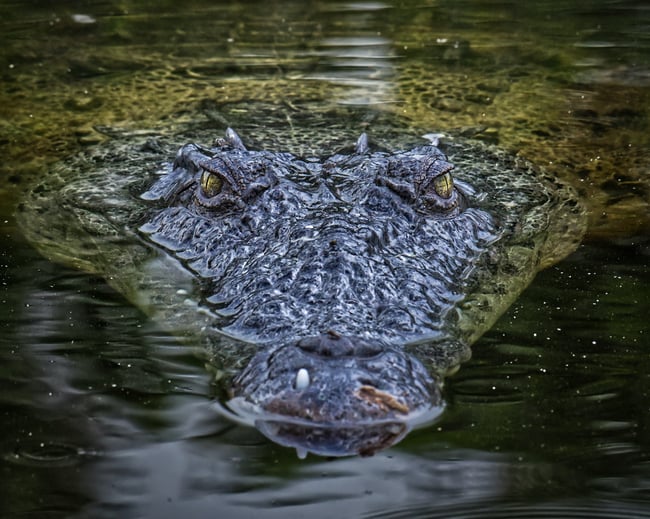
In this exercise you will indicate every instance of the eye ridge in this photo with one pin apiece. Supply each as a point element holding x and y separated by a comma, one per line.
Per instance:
<point>426,181</point>
<point>226,182</point>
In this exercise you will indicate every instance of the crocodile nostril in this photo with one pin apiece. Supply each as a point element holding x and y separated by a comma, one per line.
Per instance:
<point>327,345</point>
<point>333,345</point>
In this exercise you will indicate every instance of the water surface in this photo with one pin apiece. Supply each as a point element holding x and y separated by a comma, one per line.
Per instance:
<point>105,414</point>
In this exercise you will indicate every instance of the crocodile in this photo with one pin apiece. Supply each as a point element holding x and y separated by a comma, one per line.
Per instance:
<point>337,289</point>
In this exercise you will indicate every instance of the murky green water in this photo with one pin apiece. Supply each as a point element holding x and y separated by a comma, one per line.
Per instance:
<point>106,415</point>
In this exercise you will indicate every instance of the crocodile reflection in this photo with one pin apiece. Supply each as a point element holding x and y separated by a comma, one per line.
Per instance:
<point>362,278</point>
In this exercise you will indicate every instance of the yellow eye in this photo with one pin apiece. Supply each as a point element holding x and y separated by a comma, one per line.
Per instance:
<point>211,184</point>
<point>444,185</point>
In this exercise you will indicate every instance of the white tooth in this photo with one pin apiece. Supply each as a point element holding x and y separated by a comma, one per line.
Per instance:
<point>302,379</point>
<point>301,452</point>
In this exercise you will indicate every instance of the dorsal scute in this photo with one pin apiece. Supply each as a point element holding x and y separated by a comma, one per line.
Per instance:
<point>361,145</point>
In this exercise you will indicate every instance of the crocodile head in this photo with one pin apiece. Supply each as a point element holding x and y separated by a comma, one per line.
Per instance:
<point>361,277</point>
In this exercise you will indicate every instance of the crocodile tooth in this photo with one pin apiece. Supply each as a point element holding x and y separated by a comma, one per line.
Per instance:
<point>301,452</point>
<point>302,379</point>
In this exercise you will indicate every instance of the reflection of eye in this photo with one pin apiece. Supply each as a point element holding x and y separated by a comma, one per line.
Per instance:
<point>211,184</point>
<point>444,185</point>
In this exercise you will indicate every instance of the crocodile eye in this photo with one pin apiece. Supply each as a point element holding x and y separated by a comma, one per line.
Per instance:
<point>444,185</point>
<point>437,187</point>
<point>211,184</point>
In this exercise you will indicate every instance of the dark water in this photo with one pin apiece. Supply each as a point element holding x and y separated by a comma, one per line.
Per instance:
<point>105,415</point>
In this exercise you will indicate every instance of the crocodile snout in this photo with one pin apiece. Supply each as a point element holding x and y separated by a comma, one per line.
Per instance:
<point>338,387</point>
